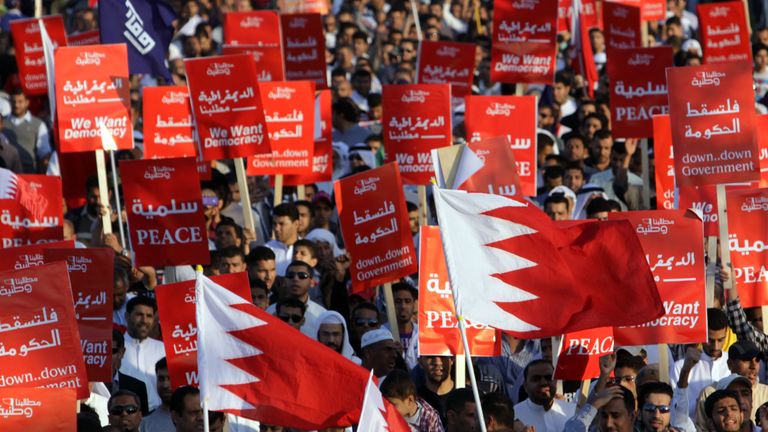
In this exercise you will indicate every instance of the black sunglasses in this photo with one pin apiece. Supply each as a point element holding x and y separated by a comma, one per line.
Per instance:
<point>120,409</point>
<point>367,322</point>
<point>649,407</point>
<point>301,275</point>
<point>294,318</point>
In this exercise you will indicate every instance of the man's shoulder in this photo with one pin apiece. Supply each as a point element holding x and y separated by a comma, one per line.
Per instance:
<point>564,407</point>
<point>276,244</point>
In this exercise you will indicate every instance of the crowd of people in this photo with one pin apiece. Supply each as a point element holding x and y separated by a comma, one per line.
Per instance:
<point>298,268</point>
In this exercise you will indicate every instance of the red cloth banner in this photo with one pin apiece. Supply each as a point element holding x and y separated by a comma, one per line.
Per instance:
<point>374,223</point>
<point>39,341</point>
<point>268,60</point>
<point>416,119</point>
<point>43,409</point>
<point>322,161</point>
<point>748,243</point>
<point>650,10</point>
<point>511,116</point>
<point>225,96</point>
<point>580,353</point>
<point>438,327</point>
<point>176,304</point>
<point>165,212</point>
<point>37,216</point>
<point>92,98</point>
<point>711,109</point>
<point>304,48</point>
<point>494,177</point>
<point>260,28</point>
<point>524,43</point>
<point>638,90</point>
<point>724,33</point>
<point>290,115</point>
<point>762,143</point>
<point>448,63</point>
<point>622,26</point>
<point>664,163</point>
<point>23,257</point>
<point>91,276</point>
<point>29,50</point>
<point>673,242</point>
<point>169,130</point>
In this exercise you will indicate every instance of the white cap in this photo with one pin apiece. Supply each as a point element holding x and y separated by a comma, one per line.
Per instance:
<point>374,336</point>
<point>724,383</point>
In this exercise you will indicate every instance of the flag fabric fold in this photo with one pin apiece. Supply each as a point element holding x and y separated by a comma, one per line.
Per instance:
<point>378,415</point>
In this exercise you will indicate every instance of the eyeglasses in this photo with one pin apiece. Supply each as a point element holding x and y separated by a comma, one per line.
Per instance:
<point>649,407</point>
<point>120,409</point>
<point>301,275</point>
<point>367,322</point>
<point>294,318</point>
<point>619,380</point>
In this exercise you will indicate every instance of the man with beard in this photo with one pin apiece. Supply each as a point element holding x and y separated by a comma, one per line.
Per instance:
<point>124,411</point>
<point>333,334</point>
<point>298,279</point>
<point>438,383</point>
<point>160,419</point>
<point>142,352</point>
<point>186,412</point>
<point>541,410</point>
<point>658,413</point>
<point>379,351</point>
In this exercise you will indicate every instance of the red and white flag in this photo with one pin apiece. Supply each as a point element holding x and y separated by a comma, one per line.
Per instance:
<point>378,414</point>
<point>254,365</point>
<point>512,268</point>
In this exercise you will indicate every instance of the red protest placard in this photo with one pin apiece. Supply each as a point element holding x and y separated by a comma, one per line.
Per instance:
<point>322,167</point>
<point>43,409</point>
<point>22,257</point>
<point>39,341</point>
<point>588,14</point>
<point>225,96</point>
<point>447,63</point>
<point>650,10</point>
<point>494,177</point>
<point>748,243</point>
<point>438,327</point>
<point>91,37</point>
<point>639,89</point>
<point>674,248</point>
<point>703,200</point>
<point>304,48</point>
<point>165,212</point>
<point>176,304</point>
<point>169,129</point>
<point>622,26</point>
<point>524,43</point>
<point>511,116</point>
<point>91,276</point>
<point>29,50</point>
<point>664,163</point>
<point>724,33</point>
<point>416,119</point>
<point>762,143</point>
<point>260,28</point>
<point>711,109</point>
<point>580,352</point>
<point>290,113</point>
<point>92,97</point>
<point>268,60</point>
<point>37,216</point>
<point>374,224</point>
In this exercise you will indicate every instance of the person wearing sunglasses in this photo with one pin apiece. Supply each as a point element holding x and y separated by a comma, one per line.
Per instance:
<point>291,311</point>
<point>298,283</point>
<point>655,407</point>
<point>124,411</point>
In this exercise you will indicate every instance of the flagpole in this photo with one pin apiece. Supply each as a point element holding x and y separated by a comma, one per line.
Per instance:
<point>199,295</point>
<point>472,379</point>
<point>117,198</point>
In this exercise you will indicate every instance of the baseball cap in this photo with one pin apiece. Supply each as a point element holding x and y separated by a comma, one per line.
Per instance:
<point>726,382</point>
<point>375,336</point>
<point>743,350</point>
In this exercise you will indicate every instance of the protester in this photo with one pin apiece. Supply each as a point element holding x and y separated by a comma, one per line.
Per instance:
<point>542,410</point>
<point>160,419</point>
<point>124,411</point>
<point>142,352</point>
<point>398,388</point>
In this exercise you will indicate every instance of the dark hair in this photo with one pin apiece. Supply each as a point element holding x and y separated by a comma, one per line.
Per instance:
<point>758,47</point>
<point>574,135</point>
<point>602,134</point>
<point>140,300</point>
<point>291,302</point>
<point>365,305</point>
<point>499,407</point>
<point>557,198</point>
<point>124,392</point>
<point>120,275</point>
<point>532,364</point>
<point>260,253</point>
<point>374,100</point>
<point>673,20</point>
<point>178,396</point>
<point>411,207</point>
<point>231,252</point>
<point>716,319</point>
<point>347,109</point>
<point>118,339</point>
<point>718,395</point>
<point>360,73</point>
<point>161,364</point>
<point>628,398</point>
<point>633,362</point>
<point>457,398</point>
<point>300,264</point>
<point>575,166</point>
<point>564,77</point>
<point>402,286</point>
<point>228,221</point>
<point>286,209</point>
<point>654,387</point>
<point>598,205</point>
<point>553,172</point>
<point>309,244</point>
<point>305,203</point>
<point>398,384</point>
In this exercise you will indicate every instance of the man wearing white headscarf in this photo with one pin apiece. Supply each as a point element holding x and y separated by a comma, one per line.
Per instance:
<point>323,235</point>
<point>333,333</point>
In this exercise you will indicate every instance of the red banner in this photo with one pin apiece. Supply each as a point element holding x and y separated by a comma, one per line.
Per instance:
<point>622,26</point>
<point>748,243</point>
<point>165,212</point>
<point>37,217</point>
<point>724,33</point>
<point>588,14</point>
<point>438,327</point>
<point>91,276</point>
<point>176,304</point>
<point>416,119</point>
<point>39,341</point>
<point>29,50</point>
<point>92,98</point>
<point>268,60</point>
<point>23,257</point>
<point>43,409</point>
<point>650,10</point>
<point>514,117</point>
<point>703,200</point>
<point>260,28</point>
<point>91,37</point>
<point>374,222</point>
<point>169,130</point>
<point>494,177</point>
<point>447,63</point>
<point>711,109</point>
<point>304,48</point>
<point>580,353</point>
<point>290,114</point>
<point>322,166</point>
<point>673,242</point>
<point>524,43</point>
<point>762,143</point>
<point>638,90</point>
<point>227,105</point>
<point>663,163</point>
